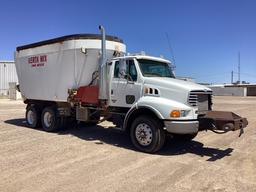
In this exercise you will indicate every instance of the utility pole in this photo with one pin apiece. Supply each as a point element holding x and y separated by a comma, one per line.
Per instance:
<point>232,77</point>
<point>239,67</point>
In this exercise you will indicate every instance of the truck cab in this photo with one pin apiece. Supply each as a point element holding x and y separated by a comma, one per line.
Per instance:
<point>145,87</point>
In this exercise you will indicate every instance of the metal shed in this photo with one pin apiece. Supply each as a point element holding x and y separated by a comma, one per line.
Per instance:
<point>7,75</point>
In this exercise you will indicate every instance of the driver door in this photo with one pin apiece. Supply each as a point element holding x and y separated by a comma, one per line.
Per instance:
<point>125,88</point>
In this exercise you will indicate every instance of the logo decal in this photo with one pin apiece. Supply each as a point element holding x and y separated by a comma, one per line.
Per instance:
<point>37,61</point>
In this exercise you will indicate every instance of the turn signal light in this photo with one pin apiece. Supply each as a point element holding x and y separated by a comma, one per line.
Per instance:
<point>175,113</point>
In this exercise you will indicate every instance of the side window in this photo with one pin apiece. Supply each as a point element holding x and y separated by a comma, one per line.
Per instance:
<point>116,70</point>
<point>132,70</point>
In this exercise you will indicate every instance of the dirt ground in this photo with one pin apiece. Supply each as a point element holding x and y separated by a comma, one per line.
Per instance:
<point>102,159</point>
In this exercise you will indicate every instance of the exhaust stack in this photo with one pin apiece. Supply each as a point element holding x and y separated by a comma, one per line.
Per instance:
<point>103,91</point>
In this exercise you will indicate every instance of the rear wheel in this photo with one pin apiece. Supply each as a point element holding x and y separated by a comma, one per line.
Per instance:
<point>32,116</point>
<point>50,121</point>
<point>147,134</point>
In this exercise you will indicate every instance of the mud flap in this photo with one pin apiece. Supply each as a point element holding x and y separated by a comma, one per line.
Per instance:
<point>222,122</point>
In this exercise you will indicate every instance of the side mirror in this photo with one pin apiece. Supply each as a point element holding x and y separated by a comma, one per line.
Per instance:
<point>122,68</point>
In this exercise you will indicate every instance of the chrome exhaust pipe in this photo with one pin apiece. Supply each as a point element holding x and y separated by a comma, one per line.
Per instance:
<point>103,91</point>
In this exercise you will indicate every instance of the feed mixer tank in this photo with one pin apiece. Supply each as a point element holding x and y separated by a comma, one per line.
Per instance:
<point>47,69</point>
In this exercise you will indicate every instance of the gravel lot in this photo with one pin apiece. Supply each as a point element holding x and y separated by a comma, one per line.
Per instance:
<point>102,159</point>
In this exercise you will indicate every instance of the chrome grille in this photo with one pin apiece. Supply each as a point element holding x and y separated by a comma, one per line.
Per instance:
<point>200,99</point>
<point>192,99</point>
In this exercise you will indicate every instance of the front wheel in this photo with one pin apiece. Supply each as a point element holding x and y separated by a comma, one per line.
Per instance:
<point>147,134</point>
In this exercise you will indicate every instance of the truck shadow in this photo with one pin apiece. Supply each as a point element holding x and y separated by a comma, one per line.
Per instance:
<point>178,147</point>
<point>100,135</point>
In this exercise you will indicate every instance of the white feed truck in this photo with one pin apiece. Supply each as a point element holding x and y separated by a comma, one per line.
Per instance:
<point>89,78</point>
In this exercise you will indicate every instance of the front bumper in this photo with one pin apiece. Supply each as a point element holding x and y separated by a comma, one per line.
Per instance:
<point>217,121</point>
<point>182,127</point>
<point>222,122</point>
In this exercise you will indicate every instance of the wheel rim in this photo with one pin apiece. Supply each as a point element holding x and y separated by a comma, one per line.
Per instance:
<point>143,134</point>
<point>31,117</point>
<point>48,117</point>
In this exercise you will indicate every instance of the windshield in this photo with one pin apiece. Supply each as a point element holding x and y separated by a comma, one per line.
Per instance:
<point>151,68</point>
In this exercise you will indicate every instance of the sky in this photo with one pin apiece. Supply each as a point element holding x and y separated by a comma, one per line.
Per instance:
<point>205,35</point>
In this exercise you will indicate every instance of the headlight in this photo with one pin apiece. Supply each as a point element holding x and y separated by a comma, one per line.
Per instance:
<point>179,113</point>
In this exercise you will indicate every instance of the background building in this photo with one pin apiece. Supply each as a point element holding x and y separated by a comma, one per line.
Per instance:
<point>8,77</point>
<point>234,90</point>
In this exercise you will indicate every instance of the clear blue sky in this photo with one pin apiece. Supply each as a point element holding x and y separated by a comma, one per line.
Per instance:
<point>205,35</point>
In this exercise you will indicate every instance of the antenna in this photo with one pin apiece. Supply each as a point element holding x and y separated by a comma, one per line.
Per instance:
<point>170,49</point>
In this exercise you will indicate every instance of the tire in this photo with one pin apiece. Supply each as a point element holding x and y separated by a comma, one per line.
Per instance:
<point>50,121</point>
<point>185,137</point>
<point>32,116</point>
<point>147,134</point>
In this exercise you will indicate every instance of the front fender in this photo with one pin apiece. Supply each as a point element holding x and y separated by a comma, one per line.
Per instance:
<point>161,107</point>
<point>135,108</point>
<point>165,106</point>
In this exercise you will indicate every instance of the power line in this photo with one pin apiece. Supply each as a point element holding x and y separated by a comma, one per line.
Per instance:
<point>251,75</point>
<point>212,75</point>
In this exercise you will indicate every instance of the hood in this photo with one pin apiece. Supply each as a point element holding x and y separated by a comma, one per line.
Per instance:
<point>174,89</point>
<point>175,84</point>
